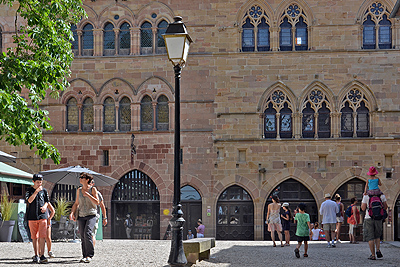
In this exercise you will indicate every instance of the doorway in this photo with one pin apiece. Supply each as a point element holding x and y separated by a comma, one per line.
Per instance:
<point>191,207</point>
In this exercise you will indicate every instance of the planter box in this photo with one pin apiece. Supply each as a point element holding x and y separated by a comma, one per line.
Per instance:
<point>6,230</point>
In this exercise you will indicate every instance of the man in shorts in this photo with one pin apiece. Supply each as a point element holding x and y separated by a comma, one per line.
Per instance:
<point>372,228</point>
<point>37,198</point>
<point>328,210</point>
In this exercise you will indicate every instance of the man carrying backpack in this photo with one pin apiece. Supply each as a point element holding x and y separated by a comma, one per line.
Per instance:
<point>375,207</point>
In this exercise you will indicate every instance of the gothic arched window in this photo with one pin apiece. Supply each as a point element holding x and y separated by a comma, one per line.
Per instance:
<point>355,112</point>
<point>87,115</point>
<point>146,114</point>
<point>162,119</point>
<point>377,29</point>
<point>72,115</point>
<point>161,29</point>
<point>146,38</point>
<point>75,42</point>
<point>255,30</point>
<point>316,112</point>
<point>278,116</point>
<point>124,39</point>
<point>293,19</point>
<point>109,39</point>
<point>124,118</point>
<point>87,40</point>
<point>109,115</point>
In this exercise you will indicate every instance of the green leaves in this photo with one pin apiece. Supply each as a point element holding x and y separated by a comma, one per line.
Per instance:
<point>38,65</point>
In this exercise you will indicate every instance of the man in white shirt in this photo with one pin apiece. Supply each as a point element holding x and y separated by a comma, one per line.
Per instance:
<point>372,227</point>
<point>328,210</point>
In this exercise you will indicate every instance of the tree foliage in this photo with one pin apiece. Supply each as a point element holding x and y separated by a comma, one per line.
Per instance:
<point>38,64</point>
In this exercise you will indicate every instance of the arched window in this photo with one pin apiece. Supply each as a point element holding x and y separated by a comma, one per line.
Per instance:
<point>124,39</point>
<point>75,42</point>
<point>124,114</point>
<point>270,122</point>
<point>72,115</point>
<point>146,114</point>
<point>278,116</point>
<point>295,19</point>
<point>87,40</point>
<point>109,115</point>
<point>109,39</point>
<point>162,119</point>
<point>316,120</point>
<point>356,103</point>
<point>146,39</point>
<point>377,29</point>
<point>255,30</point>
<point>87,115</point>
<point>161,29</point>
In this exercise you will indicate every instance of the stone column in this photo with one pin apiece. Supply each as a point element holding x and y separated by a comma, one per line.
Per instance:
<point>154,104</point>
<point>316,125</point>
<point>98,41</point>
<point>278,126</point>
<point>80,107</point>
<point>116,117</point>
<point>80,44</point>
<point>274,38</point>
<point>155,39</point>
<point>354,124</point>
<point>116,40</point>
<point>135,40</point>
<point>297,125</point>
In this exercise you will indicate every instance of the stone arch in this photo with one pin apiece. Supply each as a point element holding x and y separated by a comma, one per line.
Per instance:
<point>106,21</point>
<point>321,86</point>
<point>85,22</point>
<point>116,7</point>
<point>124,20</point>
<point>363,8</point>
<point>196,183</point>
<point>116,79</point>
<point>239,180</point>
<point>143,167</point>
<point>91,16</point>
<point>243,9</point>
<point>292,173</point>
<point>158,20</point>
<point>105,96</point>
<point>142,90</point>
<point>144,13</point>
<point>277,85</point>
<point>120,96</point>
<point>79,91</point>
<point>371,100</point>
<point>302,3</point>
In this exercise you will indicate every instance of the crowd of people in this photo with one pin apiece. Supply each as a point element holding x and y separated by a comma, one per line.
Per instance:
<point>333,214</point>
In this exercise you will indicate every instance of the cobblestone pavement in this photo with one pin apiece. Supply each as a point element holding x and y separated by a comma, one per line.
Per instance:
<point>226,253</point>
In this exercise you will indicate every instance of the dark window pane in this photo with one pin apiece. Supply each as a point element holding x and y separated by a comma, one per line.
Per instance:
<point>263,36</point>
<point>189,193</point>
<point>286,122</point>
<point>72,115</point>
<point>109,115</point>
<point>248,36</point>
<point>87,115</point>
<point>324,122</point>
<point>362,121</point>
<point>347,121</point>
<point>308,122</point>
<point>285,36</point>
<point>162,113</point>
<point>369,34</point>
<point>87,36</point>
<point>146,114</point>
<point>109,36</point>
<point>124,39</point>
<point>162,27</point>
<point>124,114</point>
<point>146,35</point>
<point>270,122</point>
<point>73,42</point>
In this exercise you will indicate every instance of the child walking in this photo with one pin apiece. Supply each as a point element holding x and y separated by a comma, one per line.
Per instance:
<point>372,187</point>
<point>285,221</point>
<point>302,230</point>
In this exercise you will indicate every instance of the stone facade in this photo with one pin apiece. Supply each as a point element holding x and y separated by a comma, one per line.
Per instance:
<point>224,93</point>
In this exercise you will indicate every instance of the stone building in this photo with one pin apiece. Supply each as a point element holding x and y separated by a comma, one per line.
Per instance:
<point>294,98</point>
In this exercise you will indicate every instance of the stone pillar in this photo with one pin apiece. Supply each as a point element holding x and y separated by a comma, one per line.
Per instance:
<point>80,107</point>
<point>354,124</point>
<point>116,117</point>
<point>80,44</point>
<point>154,104</point>
<point>316,125</point>
<point>274,38</point>
<point>297,125</point>
<point>135,40</point>
<point>116,40</point>
<point>278,126</point>
<point>155,39</point>
<point>98,41</point>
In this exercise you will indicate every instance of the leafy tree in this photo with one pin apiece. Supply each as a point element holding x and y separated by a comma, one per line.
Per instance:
<point>39,63</point>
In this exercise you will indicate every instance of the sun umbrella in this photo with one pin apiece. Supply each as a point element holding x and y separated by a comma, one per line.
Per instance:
<point>70,175</point>
<point>4,157</point>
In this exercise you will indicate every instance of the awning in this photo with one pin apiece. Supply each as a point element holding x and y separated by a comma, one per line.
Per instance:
<point>11,174</point>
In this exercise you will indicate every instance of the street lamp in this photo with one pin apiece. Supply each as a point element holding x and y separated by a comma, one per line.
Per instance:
<point>177,42</point>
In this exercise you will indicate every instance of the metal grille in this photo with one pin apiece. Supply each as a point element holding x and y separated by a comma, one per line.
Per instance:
<point>125,114</point>
<point>109,38</point>
<point>87,115</point>
<point>146,114</point>
<point>162,113</point>
<point>72,115</point>
<point>65,191</point>
<point>135,185</point>
<point>109,115</point>
<point>124,39</point>
<point>146,38</point>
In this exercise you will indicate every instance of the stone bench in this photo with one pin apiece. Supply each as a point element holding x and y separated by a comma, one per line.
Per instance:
<point>198,249</point>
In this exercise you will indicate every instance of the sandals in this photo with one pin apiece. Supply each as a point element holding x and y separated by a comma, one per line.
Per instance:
<point>305,255</point>
<point>297,253</point>
<point>379,254</point>
<point>372,257</point>
<point>274,245</point>
<point>282,245</point>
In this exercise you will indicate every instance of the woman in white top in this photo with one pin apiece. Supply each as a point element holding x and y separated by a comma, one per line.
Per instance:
<point>274,219</point>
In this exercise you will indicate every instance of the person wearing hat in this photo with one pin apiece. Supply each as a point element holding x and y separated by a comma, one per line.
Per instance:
<point>38,199</point>
<point>200,228</point>
<point>285,220</point>
<point>372,186</point>
<point>328,210</point>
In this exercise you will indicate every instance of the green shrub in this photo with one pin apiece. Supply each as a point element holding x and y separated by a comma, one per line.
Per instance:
<point>62,208</point>
<point>7,207</point>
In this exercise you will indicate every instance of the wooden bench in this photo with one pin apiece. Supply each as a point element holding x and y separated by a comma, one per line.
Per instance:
<point>198,249</point>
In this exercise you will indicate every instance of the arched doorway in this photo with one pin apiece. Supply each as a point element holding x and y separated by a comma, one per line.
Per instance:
<point>396,221</point>
<point>191,207</point>
<point>235,219</point>
<point>137,195</point>
<point>353,188</point>
<point>294,193</point>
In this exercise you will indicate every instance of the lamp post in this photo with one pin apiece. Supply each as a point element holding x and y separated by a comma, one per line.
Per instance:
<point>177,42</point>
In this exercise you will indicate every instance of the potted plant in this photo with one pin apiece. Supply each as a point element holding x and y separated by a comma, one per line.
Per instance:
<point>6,225</point>
<point>62,208</point>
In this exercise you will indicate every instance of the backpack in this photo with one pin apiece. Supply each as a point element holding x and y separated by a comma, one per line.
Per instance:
<point>349,211</point>
<point>375,210</point>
